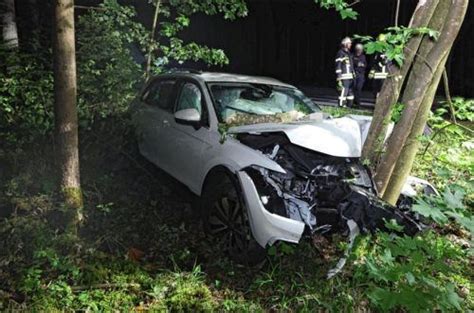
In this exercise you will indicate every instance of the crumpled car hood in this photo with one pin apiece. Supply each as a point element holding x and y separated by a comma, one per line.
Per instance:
<point>339,137</point>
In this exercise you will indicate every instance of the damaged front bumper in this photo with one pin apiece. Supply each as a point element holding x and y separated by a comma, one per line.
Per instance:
<point>353,204</point>
<point>267,228</point>
<point>315,192</point>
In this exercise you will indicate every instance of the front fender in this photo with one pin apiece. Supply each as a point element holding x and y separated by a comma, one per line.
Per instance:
<point>267,228</point>
<point>235,156</point>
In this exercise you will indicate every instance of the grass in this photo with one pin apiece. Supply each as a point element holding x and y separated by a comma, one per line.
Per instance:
<point>141,246</point>
<point>339,111</point>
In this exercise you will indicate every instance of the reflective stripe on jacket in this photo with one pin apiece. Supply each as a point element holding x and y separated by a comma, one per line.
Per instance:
<point>344,65</point>
<point>380,68</point>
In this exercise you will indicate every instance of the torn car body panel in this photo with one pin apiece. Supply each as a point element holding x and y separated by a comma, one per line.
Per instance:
<point>319,191</point>
<point>267,228</point>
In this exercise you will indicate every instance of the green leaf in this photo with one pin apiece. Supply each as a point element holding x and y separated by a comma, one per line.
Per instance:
<point>427,210</point>
<point>454,200</point>
<point>452,298</point>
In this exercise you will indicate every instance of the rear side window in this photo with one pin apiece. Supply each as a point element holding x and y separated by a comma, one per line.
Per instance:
<point>159,94</point>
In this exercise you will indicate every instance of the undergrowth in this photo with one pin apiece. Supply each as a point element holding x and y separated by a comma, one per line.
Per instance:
<point>141,248</point>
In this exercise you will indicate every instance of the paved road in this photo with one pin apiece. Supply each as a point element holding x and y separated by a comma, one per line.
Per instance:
<point>329,96</point>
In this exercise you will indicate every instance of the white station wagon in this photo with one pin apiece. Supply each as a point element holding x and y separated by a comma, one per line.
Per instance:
<point>267,164</point>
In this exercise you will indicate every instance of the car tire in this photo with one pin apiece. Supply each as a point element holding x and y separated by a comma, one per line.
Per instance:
<point>226,222</point>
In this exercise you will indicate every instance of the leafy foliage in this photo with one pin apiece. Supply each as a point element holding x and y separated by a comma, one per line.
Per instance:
<point>110,53</point>
<point>393,41</point>
<point>26,85</point>
<point>108,76</point>
<point>340,6</point>
<point>397,112</point>
<point>448,206</point>
<point>463,109</point>
<point>446,157</point>
<point>174,17</point>
<point>414,274</point>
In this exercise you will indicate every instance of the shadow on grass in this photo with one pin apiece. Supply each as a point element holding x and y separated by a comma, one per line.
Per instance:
<point>141,245</point>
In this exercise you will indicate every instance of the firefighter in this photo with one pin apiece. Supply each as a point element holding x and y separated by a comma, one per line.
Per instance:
<point>345,73</point>
<point>360,66</point>
<point>379,72</point>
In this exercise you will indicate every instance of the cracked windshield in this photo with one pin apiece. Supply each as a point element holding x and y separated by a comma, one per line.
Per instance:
<point>245,103</point>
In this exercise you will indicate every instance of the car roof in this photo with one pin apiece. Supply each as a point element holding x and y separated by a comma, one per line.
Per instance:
<point>214,77</point>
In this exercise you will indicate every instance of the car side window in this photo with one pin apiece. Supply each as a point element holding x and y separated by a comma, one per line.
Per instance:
<point>159,94</point>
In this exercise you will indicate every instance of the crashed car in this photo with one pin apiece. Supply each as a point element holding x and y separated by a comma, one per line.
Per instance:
<point>267,164</point>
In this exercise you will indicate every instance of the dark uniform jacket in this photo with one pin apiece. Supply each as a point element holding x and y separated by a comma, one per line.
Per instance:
<point>360,64</point>
<point>380,67</point>
<point>344,65</point>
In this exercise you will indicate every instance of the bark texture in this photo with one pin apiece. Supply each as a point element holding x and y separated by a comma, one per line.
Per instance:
<point>9,28</point>
<point>373,146</point>
<point>418,97</point>
<point>407,156</point>
<point>65,109</point>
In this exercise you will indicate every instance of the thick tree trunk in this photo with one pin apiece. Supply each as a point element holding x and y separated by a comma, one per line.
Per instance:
<point>431,55</point>
<point>65,109</point>
<point>10,32</point>
<point>407,156</point>
<point>373,146</point>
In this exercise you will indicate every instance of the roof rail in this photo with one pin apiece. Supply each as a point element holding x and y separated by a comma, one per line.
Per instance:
<point>183,70</point>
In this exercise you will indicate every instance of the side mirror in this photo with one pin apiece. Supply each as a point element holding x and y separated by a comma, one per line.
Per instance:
<point>188,117</point>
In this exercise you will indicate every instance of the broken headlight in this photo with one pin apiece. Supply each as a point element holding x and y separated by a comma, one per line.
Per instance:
<point>281,194</point>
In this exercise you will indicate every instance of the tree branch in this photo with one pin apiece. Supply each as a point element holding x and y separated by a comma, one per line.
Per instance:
<point>88,8</point>
<point>448,95</point>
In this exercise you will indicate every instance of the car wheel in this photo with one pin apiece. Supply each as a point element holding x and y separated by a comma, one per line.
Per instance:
<point>226,221</point>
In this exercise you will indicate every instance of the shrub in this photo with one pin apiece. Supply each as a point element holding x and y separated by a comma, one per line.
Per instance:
<point>26,94</point>
<point>416,274</point>
<point>108,75</point>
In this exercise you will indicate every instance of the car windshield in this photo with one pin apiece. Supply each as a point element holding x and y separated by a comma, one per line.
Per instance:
<point>248,103</point>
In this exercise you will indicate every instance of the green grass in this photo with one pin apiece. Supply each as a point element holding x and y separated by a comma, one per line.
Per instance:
<point>339,111</point>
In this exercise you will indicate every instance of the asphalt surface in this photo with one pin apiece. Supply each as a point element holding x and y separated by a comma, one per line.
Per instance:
<point>329,96</point>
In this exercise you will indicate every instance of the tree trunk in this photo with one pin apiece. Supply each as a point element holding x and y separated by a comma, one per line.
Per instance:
<point>431,55</point>
<point>373,146</point>
<point>34,25</point>
<point>407,156</point>
<point>10,32</point>
<point>152,38</point>
<point>65,110</point>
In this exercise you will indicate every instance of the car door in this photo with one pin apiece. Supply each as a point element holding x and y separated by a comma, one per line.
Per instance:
<point>189,142</point>
<point>152,119</point>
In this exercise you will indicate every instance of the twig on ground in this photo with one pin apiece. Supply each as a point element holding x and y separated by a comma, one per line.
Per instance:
<point>105,286</point>
<point>439,130</point>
